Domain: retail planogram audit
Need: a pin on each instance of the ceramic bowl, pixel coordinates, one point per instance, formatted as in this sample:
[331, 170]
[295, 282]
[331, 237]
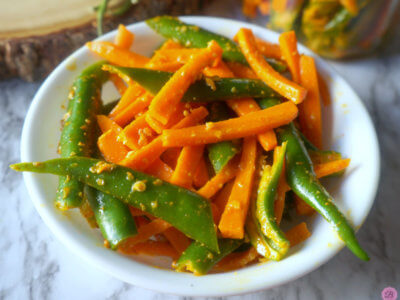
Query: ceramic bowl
[347, 128]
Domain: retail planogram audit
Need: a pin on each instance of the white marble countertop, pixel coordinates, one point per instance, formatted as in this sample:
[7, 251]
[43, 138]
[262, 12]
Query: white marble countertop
[35, 265]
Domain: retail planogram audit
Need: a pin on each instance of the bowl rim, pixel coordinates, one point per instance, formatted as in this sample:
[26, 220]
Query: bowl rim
[144, 275]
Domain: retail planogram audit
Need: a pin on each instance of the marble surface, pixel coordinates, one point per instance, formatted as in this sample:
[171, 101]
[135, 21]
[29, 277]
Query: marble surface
[35, 265]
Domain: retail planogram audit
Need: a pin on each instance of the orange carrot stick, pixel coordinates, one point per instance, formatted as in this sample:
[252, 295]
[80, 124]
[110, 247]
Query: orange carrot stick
[233, 218]
[137, 134]
[250, 124]
[298, 234]
[146, 231]
[237, 260]
[244, 106]
[136, 106]
[269, 49]
[186, 165]
[288, 45]
[302, 208]
[223, 195]
[152, 248]
[160, 169]
[132, 92]
[201, 175]
[324, 90]
[332, 167]
[177, 239]
[105, 124]
[164, 103]
[175, 117]
[170, 156]
[124, 37]
[310, 109]
[217, 182]
[118, 83]
[265, 72]
[111, 149]
[117, 55]
[241, 71]
[143, 157]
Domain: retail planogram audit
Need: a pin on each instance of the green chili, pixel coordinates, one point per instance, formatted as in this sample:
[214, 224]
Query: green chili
[78, 134]
[192, 36]
[201, 90]
[183, 209]
[199, 259]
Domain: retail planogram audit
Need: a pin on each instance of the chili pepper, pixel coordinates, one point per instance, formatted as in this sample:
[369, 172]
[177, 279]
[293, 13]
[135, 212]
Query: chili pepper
[113, 216]
[301, 178]
[264, 205]
[77, 136]
[183, 209]
[201, 90]
[199, 259]
[192, 36]
[221, 153]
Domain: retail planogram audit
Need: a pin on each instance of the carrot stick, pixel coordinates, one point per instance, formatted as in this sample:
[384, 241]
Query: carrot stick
[216, 212]
[217, 182]
[324, 90]
[105, 124]
[298, 234]
[118, 83]
[181, 56]
[136, 106]
[250, 124]
[269, 49]
[236, 260]
[201, 175]
[288, 45]
[112, 150]
[177, 239]
[249, 7]
[264, 7]
[175, 117]
[244, 106]
[332, 167]
[302, 208]
[152, 248]
[132, 92]
[160, 169]
[164, 103]
[223, 195]
[310, 109]
[124, 37]
[117, 55]
[170, 156]
[241, 71]
[143, 157]
[137, 134]
[233, 218]
[265, 72]
[186, 165]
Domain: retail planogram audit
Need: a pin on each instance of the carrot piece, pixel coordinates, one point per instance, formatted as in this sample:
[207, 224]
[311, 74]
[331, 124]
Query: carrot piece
[324, 90]
[201, 176]
[143, 157]
[264, 7]
[135, 107]
[288, 45]
[241, 71]
[152, 248]
[216, 213]
[105, 124]
[145, 232]
[186, 165]
[265, 72]
[351, 6]
[170, 44]
[180, 56]
[298, 234]
[233, 218]
[170, 156]
[164, 103]
[118, 83]
[124, 37]
[117, 55]
[269, 49]
[302, 208]
[223, 195]
[176, 116]
[249, 8]
[217, 182]
[329, 168]
[177, 239]
[137, 134]
[236, 260]
[133, 91]
[244, 106]
[160, 169]
[250, 124]
[113, 150]
[310, 109]
[135, 212]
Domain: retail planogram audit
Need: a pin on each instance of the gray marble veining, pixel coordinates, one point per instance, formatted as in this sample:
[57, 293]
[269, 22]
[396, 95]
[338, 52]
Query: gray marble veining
[34, 265]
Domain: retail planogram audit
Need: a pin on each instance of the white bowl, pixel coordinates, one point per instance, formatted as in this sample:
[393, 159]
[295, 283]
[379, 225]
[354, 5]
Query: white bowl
[347, 128]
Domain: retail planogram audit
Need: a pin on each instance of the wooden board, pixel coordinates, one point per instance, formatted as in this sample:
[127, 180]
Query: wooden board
[36, 35]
